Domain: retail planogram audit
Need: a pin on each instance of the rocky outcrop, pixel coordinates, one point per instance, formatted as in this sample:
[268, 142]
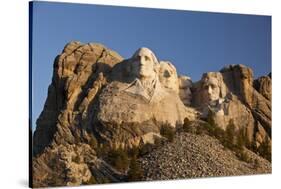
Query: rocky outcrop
[263, 86]
[63, 165]
[259, 106]
[97, 95]
[231, 94]
[80, 71]
[97, 99]
[129, 107]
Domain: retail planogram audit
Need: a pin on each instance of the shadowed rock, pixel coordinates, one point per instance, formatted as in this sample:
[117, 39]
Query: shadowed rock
[97, 98]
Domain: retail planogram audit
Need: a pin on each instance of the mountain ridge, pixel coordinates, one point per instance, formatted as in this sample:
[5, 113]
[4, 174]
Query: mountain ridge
[100, 102]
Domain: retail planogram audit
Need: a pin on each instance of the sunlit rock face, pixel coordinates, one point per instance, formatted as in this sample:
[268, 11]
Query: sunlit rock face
[144, 64]
[210, 88]
[232, 94]
[96, 97]
[168, 76]
[145, 91]
[185, 85]
[240, 82]
[144, 67]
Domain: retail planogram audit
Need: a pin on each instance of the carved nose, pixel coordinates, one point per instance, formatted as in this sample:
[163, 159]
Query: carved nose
[209, 90]
[141, 60]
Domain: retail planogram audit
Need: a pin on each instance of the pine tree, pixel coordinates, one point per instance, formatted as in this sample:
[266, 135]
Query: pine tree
[135, 172]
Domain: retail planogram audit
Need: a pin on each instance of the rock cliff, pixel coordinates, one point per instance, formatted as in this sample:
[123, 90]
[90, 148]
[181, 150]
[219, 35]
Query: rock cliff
[99, 100]
[232, 94]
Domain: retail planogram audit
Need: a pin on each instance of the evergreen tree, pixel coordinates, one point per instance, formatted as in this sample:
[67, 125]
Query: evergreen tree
[168, 132]
[186, 125]
[135, 172]
[230, 134]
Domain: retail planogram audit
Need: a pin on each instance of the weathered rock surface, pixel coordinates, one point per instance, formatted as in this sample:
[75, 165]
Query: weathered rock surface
[263, 86]
[63, 165]
[124, 104]
[98, 98]
[90, 98]
[244, 88]
[232, 95]
[193, 156]
[80, 71]
[71, 165]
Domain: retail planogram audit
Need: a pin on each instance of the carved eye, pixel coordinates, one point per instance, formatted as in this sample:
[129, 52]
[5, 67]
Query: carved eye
[146, 58]
[213, 86]
[167, 74]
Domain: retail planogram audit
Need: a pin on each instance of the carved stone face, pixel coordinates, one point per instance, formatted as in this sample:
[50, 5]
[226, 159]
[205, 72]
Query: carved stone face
[168, 76]
[211, 89]
[185, 85]
[143, 65]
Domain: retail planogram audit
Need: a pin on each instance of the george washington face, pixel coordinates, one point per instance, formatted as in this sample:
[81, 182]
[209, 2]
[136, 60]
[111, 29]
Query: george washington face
[144, 63]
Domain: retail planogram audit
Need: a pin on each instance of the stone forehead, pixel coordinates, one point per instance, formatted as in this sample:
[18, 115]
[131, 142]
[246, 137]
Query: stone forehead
[144, 51]
[213, 81]
[212, 76]
[166, 65]
[184, 81]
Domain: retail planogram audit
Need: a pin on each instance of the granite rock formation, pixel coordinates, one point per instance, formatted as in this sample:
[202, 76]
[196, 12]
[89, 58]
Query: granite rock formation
[143, 95]
[98, 99]
[231, 94]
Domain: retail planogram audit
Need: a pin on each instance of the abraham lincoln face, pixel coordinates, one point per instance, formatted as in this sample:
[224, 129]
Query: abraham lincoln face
[213, 86]
[211, 89]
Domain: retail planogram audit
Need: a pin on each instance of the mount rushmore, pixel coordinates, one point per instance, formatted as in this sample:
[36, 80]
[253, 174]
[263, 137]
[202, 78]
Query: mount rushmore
[98, 97]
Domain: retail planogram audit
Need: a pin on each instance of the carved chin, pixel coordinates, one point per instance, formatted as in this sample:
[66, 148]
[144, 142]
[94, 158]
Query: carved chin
[212, 98]
[143, 74]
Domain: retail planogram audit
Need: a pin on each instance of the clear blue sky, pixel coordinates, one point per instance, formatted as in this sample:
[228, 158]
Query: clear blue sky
[195, 42]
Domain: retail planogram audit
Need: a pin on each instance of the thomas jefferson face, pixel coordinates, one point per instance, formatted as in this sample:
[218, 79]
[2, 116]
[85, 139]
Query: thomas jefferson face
[211, 89]
[168, 76]
[143, 63]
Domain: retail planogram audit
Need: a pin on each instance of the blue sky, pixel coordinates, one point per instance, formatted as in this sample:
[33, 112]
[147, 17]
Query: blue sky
[195, 42]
